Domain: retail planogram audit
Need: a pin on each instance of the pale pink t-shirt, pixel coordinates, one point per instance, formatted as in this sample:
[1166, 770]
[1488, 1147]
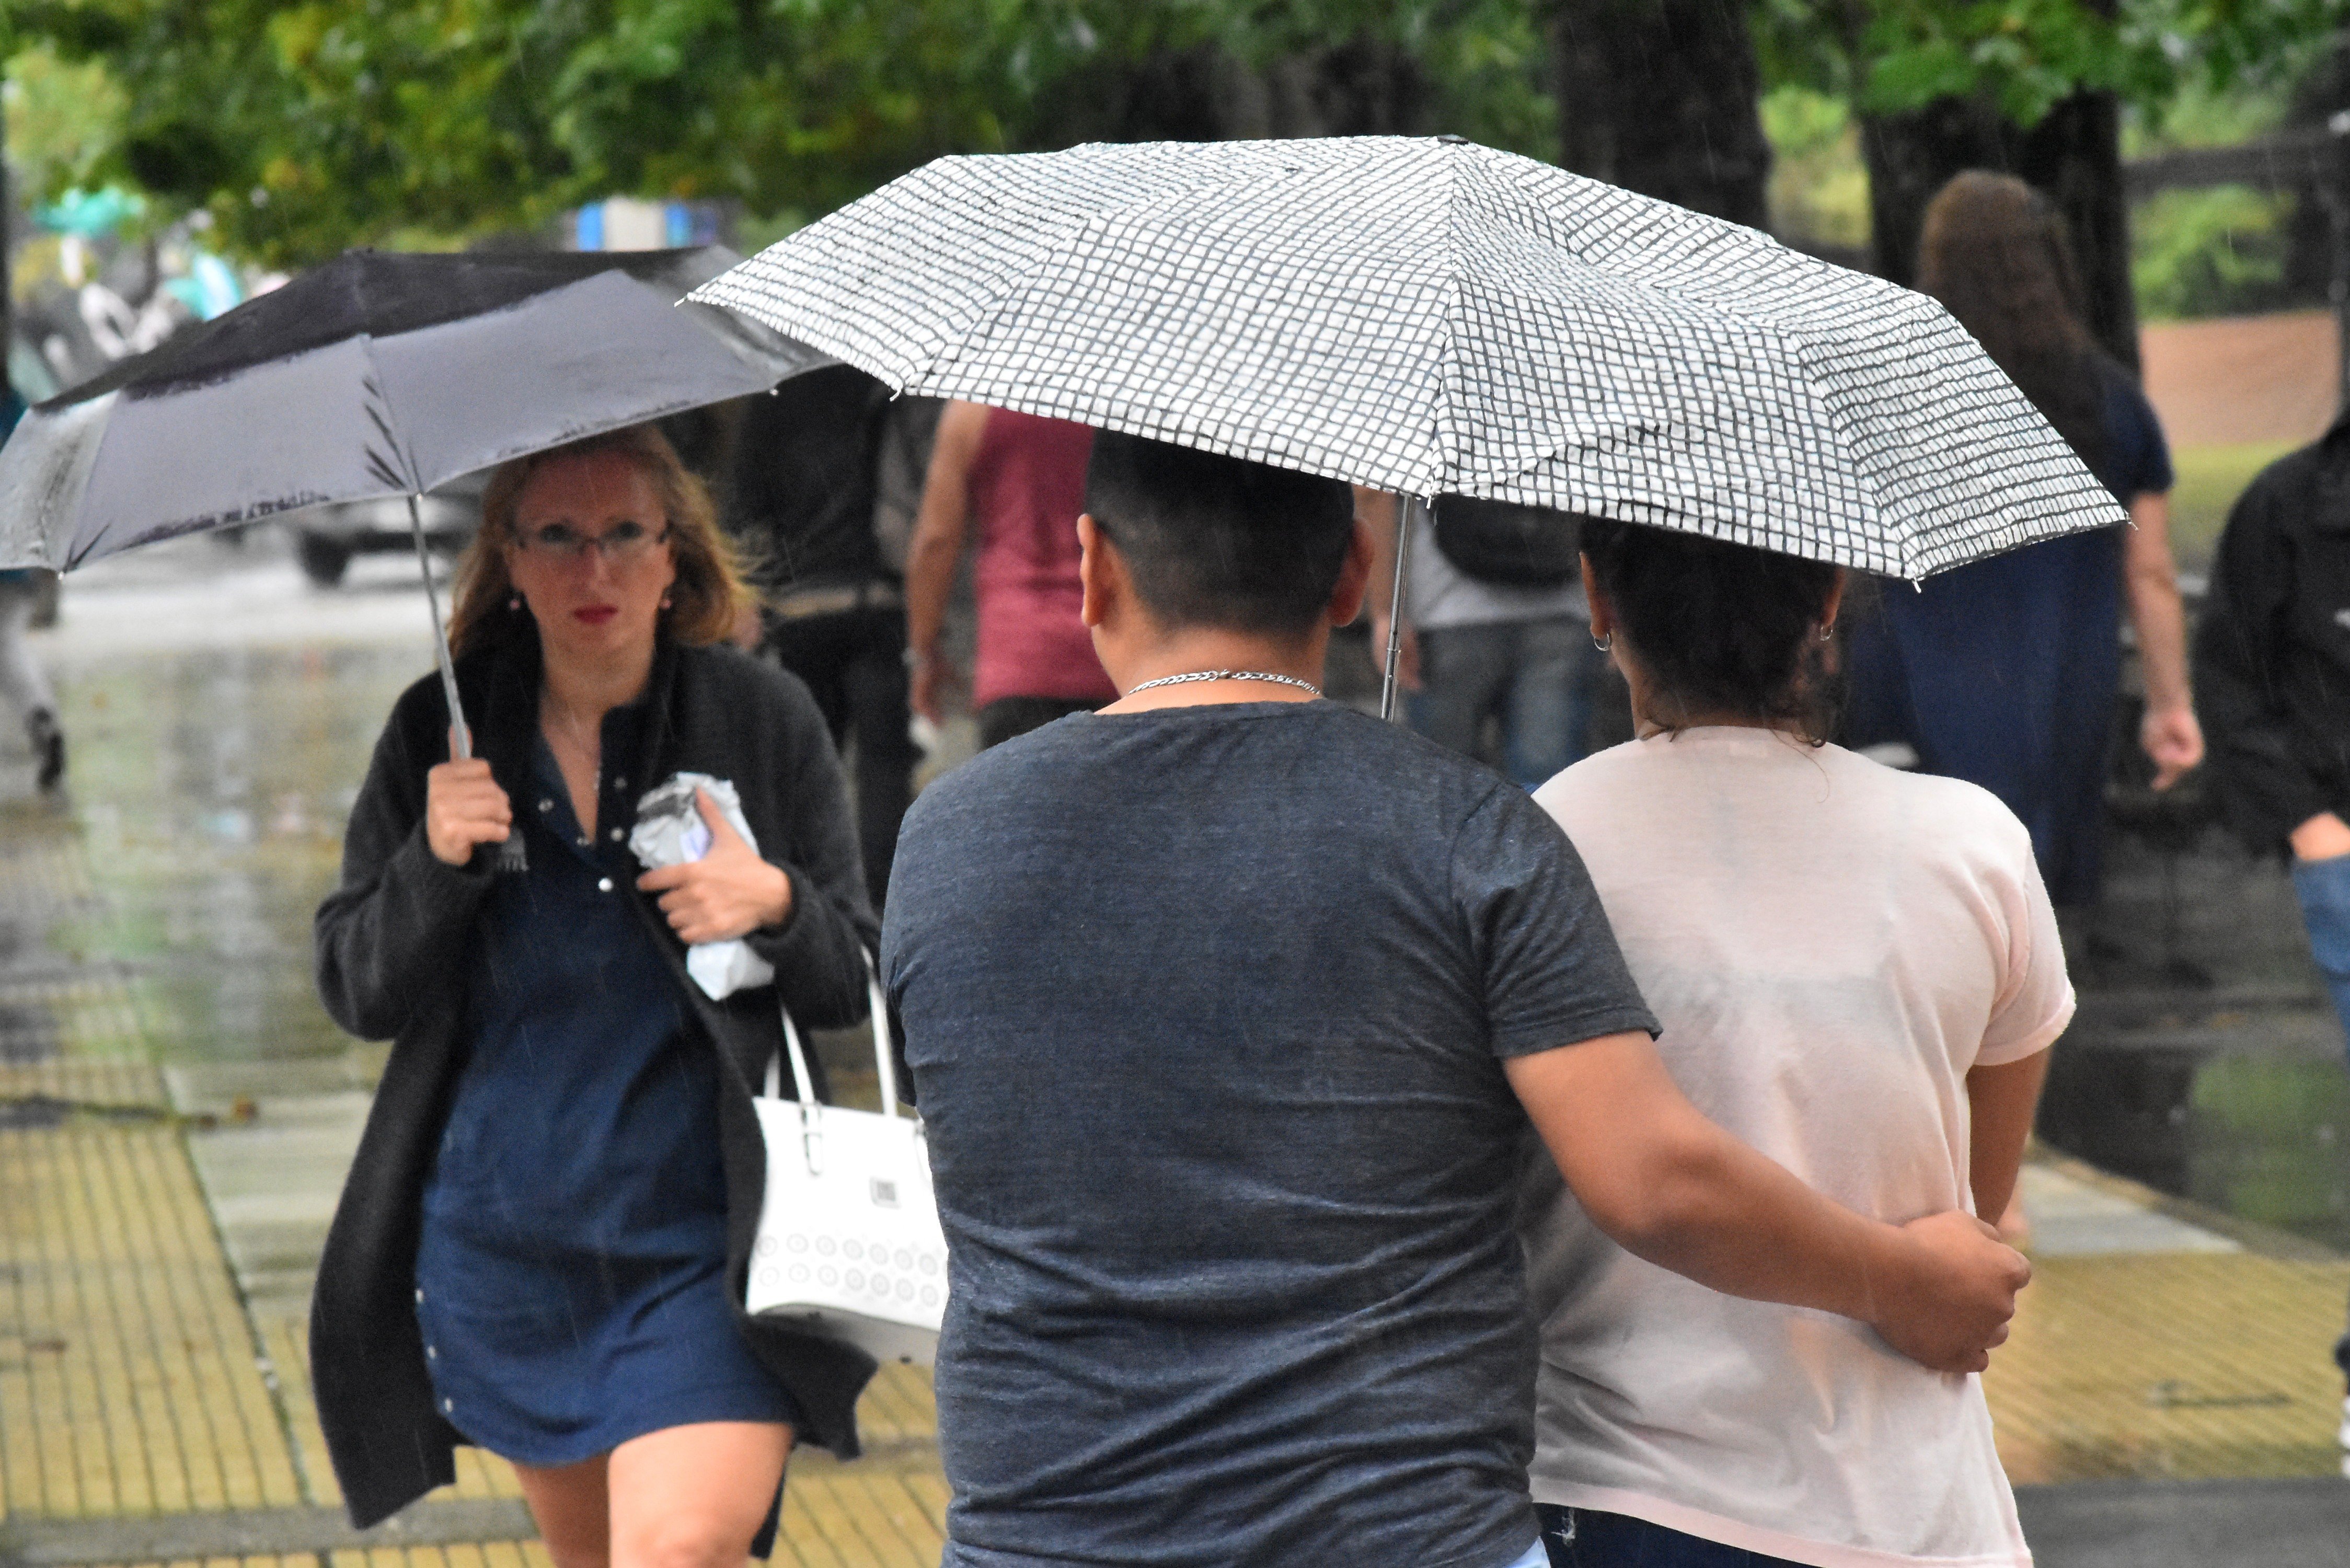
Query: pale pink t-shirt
[1830, 946]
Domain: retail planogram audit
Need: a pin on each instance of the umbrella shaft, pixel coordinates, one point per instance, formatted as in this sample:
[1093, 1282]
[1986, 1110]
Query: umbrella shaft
[461, 738]
[1405, 507]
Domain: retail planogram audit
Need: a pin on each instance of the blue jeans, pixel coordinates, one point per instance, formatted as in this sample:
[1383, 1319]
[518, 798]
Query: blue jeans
[2324, 888]
[1583, 1538]
[1536, 676]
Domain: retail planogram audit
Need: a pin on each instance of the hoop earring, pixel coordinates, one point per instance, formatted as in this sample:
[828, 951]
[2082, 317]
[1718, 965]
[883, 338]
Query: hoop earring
[1604, 644]
[1827, 631]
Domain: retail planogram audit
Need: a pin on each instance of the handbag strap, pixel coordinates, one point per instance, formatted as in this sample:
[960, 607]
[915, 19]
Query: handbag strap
[879, 1005]
[800, 1079]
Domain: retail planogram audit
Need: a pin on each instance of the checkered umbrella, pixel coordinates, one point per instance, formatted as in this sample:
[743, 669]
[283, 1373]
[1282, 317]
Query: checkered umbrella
[1429, 316]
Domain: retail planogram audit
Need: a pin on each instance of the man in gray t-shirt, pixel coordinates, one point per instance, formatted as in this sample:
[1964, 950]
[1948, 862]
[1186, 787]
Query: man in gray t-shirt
[1222, 1006]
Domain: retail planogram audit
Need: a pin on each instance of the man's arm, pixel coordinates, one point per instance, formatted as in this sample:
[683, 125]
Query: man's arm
[1378, 512]
[2150, 586]
[2002, 1099]
[1667, 1185]
[937, 546]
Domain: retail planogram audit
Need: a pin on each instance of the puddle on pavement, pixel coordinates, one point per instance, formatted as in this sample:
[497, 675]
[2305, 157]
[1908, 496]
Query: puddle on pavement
[212, 787]
[2228, 1088]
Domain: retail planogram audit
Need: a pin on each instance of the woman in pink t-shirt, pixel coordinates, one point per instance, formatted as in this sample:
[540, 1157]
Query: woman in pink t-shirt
[1859, 973]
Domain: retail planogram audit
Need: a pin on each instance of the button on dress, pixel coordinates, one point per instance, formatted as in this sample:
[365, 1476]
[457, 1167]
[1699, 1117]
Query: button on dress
[571, 1270]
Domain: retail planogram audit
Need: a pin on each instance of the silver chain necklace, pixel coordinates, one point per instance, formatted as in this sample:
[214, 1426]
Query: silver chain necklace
[1225, 675]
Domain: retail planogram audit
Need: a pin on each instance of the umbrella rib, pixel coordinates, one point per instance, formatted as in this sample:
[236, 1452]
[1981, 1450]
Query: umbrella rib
[379, 414]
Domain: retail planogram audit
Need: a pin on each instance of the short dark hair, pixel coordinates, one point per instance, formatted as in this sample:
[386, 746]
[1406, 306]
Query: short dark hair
[1719, 628]
[1218, 541]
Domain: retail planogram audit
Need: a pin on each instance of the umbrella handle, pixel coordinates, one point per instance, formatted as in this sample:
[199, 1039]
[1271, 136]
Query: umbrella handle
[462, 737]
[1405, 506]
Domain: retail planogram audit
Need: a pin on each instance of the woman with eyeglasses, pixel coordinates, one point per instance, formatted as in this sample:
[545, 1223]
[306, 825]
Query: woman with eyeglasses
[541, 1248]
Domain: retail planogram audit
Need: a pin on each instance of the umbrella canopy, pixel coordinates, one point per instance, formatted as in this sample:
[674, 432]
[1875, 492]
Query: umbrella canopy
[1431, 316]
[374, 375]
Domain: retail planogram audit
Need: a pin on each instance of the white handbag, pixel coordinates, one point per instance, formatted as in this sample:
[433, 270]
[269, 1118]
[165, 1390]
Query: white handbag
[850, 1246]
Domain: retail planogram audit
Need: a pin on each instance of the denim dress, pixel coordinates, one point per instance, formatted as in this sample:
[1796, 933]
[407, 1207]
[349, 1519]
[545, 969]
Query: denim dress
[570, 1276]
[2004, 671]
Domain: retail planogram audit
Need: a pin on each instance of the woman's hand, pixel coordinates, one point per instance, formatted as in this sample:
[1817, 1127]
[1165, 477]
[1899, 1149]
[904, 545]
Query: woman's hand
[2324, 837]
[727, 893]
[2173, 741]
[463, 806]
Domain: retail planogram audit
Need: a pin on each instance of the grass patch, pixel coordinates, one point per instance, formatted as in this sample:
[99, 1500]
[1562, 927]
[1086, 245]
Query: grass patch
[2209, 479]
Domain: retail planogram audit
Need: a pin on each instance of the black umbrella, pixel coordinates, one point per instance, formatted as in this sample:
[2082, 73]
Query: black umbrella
[374, 375]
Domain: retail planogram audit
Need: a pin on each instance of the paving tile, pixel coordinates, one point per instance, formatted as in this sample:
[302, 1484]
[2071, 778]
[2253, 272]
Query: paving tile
[2072, 1218]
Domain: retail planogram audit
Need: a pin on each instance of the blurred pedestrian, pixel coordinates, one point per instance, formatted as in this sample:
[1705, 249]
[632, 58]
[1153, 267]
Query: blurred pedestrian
[1021, 479]
[2004, 672]
[1492, 632]
[803, 497]
[1857, 972]
[540, 1247]
[22, 679]
[1227, 1007]
[2272, 664]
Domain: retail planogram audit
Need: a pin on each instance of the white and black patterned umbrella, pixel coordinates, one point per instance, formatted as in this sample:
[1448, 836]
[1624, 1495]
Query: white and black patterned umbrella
[1429, 316]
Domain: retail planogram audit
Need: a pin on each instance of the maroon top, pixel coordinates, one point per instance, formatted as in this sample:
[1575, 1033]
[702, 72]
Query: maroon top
[1027, 486]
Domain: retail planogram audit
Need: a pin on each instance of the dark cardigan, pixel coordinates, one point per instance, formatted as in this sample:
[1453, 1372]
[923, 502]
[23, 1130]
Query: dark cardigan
[391, 951]
[2272, 650]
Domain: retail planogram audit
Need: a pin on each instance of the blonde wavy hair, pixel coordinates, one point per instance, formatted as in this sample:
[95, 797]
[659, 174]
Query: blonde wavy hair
[704, 601]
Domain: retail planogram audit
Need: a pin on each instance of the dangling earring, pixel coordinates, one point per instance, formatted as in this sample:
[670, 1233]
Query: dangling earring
[1604, 644]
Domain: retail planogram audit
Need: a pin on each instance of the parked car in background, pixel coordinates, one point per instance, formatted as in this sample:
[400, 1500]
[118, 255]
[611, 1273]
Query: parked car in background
[326, 538]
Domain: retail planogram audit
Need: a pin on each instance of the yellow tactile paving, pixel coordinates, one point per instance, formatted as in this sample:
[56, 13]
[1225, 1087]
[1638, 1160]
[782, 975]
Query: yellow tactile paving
[133, 1386]
[2171, 1365]
[131, 1381]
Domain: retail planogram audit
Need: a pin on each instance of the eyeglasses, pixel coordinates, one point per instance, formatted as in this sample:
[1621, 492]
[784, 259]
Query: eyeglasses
[620, 544]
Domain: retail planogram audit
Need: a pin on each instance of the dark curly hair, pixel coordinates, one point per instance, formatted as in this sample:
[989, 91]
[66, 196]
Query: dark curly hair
[1719, 628]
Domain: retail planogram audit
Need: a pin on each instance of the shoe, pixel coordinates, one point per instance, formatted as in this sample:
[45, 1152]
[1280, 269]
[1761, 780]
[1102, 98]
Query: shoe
[48, 748]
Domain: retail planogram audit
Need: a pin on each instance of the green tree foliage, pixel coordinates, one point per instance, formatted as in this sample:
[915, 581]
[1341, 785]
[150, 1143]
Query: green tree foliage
[305, 126]
[308, 124]
[2220, 252]
[62, 119]
[2027, 56]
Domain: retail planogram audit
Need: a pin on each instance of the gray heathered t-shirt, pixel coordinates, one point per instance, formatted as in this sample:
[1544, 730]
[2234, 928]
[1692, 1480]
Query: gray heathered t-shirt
[1206, 1008]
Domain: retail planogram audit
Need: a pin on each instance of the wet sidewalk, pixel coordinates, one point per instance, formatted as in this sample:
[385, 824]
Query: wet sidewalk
[158, 1233]
[176, 1116]
[158, 1228]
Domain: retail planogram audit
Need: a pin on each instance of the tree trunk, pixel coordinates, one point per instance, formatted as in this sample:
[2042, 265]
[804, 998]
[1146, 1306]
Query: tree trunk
[2075, 156]
[1363, 86]
[1910, 157]
[1658, 97]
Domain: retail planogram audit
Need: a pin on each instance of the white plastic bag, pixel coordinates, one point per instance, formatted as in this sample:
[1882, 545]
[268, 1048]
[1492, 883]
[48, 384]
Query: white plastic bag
[670, 831]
